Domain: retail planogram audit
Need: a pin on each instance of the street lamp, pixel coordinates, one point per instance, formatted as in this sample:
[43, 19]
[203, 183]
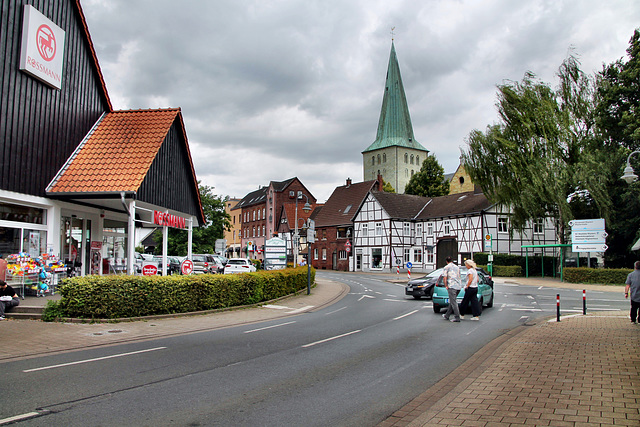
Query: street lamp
[629, 176]
[306, 208]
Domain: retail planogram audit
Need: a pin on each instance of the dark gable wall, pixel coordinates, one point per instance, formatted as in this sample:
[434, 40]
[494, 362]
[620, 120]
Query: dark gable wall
[169, 180]
[40, 126]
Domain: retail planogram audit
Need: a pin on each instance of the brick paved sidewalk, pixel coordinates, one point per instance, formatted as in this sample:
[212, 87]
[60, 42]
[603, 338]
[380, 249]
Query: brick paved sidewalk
[583, 370]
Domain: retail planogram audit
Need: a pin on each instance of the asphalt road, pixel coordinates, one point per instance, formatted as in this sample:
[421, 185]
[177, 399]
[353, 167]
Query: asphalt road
[352, 363]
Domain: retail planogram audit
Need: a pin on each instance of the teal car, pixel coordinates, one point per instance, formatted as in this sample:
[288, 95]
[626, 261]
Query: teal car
[485, 290]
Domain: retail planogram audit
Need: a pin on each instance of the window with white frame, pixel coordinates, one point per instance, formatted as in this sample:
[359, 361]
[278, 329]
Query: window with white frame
[406, 229]
[407, 255]
[447, 228]
[365, 230]
[254, 215]
[419, 230]
[378, 229]
[342, 254]
[538, 226]
[315, 253]
[254, 232]
[503, 225]
[429, 229]
[417, 255]
[429, 253]
[324, 254]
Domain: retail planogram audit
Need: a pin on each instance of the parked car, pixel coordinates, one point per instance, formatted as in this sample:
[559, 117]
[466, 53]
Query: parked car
[239, 265]
[423, 286]
[485, 290]
[218, 266]
[200, 264]
[174, 265]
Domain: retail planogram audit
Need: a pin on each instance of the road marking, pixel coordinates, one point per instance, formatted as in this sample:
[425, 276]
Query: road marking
[268, 327]
[395, 300]
[293, 310]
[19, 418]
[93, 360]
[365, 296]
[335, 311]
[405, 315]
[276, 307]
[331, 339]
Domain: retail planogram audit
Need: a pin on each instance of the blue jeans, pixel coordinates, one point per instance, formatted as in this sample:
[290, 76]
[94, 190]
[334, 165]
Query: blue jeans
[453, 304]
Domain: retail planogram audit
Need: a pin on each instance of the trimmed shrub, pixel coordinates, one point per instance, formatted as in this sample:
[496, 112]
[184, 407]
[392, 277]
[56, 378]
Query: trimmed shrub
[110, 297]
[535, 262]
[504, 270]
[605, 276]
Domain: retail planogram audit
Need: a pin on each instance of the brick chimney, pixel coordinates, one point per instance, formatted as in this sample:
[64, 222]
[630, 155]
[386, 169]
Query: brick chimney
[348, 182]
[380, 183]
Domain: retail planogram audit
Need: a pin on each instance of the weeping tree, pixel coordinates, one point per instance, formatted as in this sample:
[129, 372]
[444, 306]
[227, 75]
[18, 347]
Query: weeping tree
[542, 158]
[429, 181]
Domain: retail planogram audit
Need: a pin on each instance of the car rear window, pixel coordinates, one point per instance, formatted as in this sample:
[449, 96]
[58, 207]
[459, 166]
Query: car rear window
[236, 262]
[198, 258]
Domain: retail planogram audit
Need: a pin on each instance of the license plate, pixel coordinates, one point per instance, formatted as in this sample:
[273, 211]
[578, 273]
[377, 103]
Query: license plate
[446, 300]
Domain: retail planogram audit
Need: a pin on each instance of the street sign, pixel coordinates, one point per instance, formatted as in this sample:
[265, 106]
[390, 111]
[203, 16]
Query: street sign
[149, 270]
[488, 242]
[347, 246]
[409, 265]
[588, 235]
[186, 267]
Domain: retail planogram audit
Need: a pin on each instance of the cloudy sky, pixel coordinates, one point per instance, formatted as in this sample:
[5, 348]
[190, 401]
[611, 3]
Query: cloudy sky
[271, 89]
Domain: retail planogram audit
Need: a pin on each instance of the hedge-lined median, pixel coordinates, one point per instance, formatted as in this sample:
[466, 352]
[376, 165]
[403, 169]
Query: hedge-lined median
[112, 297]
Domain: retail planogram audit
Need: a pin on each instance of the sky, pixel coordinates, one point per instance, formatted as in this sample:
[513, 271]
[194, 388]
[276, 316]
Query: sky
[275, 89]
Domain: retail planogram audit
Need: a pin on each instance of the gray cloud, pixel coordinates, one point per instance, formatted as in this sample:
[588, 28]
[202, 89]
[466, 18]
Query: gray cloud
[275, 89]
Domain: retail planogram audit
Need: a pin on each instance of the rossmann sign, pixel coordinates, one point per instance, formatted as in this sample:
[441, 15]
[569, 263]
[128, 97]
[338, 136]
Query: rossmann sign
[168, 220]
[42, 53]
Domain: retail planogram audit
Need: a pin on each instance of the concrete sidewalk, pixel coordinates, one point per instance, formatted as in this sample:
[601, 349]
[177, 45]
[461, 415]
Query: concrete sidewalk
[583, 370]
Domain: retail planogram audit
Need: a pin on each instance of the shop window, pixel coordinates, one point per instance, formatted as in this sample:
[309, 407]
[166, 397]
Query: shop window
[11, 212]
[376, 258]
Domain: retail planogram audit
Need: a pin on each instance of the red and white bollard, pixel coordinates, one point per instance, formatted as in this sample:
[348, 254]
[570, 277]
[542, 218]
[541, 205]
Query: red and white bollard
[398, 270]
[557, 307]
[584, 302]
[409, 273]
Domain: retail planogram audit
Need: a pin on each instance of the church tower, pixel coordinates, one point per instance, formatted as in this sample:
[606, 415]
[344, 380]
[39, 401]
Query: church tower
[395, 154]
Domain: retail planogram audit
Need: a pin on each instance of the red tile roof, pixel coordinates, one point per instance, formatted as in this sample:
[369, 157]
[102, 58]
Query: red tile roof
[117, 153]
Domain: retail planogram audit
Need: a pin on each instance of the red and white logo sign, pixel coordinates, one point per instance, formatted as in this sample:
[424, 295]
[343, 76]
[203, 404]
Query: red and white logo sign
[168, 220]
[149, 270]
[46, 41]
[42, 49]
[186, 267]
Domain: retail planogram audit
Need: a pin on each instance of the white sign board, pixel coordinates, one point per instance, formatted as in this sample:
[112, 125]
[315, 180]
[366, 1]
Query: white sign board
[42, 50]
[588, 235]
[275, 254]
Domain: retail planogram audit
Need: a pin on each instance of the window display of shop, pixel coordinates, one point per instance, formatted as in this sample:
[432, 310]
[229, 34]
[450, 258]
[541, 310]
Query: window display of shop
[36, 276]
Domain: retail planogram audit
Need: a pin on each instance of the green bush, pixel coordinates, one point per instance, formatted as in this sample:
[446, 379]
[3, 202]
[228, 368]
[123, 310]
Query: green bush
[605, 276]
[504, 270]
[535, 262]
[52, 312]
[110, 297]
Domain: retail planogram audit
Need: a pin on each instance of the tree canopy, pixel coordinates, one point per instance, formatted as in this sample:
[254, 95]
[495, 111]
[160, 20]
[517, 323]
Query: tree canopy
[204, 238]
[543, 152]
[429, 181]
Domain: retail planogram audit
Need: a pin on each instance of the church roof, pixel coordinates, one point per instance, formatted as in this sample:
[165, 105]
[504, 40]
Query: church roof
[394, 126]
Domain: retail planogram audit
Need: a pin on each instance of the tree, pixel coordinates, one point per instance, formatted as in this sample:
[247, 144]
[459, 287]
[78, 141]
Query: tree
[429, 181]
[618, 118]
[387, 187]
[204, 238]
[543, 152]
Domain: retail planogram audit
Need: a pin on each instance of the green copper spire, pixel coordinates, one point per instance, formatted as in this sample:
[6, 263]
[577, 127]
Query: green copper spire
[394, 126]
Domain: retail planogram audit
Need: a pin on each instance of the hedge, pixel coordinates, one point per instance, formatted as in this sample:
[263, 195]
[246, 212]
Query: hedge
[534, 261]
[504, 270]
[111, 297]
[605, 276]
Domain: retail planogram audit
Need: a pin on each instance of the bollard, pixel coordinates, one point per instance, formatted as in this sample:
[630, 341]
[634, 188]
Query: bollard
[398, 270]
[409, 273]
[558, 307]
[584, 302]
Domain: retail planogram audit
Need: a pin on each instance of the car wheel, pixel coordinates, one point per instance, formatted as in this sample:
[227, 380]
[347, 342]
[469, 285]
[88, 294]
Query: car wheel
[416, 296]
[436, 308]
[490, 303]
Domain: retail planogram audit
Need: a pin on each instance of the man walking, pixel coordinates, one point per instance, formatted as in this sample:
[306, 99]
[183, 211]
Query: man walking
[453, 285]
[633, 285]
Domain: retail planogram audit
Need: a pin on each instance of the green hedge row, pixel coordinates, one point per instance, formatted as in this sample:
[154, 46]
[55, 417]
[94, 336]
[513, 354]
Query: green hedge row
[535, 262]
[504, 270]
[605, 276]
[111, 297]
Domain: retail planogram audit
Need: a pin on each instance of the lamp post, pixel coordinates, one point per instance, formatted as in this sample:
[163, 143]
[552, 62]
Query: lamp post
[629, 176]
[306, 208]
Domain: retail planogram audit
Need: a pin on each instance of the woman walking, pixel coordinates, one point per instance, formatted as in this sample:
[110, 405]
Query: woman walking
[471, 291]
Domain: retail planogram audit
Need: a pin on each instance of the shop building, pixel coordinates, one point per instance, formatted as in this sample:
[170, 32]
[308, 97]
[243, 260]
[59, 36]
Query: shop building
[78, 177]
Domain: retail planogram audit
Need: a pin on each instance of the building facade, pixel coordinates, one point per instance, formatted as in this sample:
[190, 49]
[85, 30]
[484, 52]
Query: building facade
[77, 176]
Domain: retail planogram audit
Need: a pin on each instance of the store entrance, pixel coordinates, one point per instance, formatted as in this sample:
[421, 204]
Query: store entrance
[76, 238]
